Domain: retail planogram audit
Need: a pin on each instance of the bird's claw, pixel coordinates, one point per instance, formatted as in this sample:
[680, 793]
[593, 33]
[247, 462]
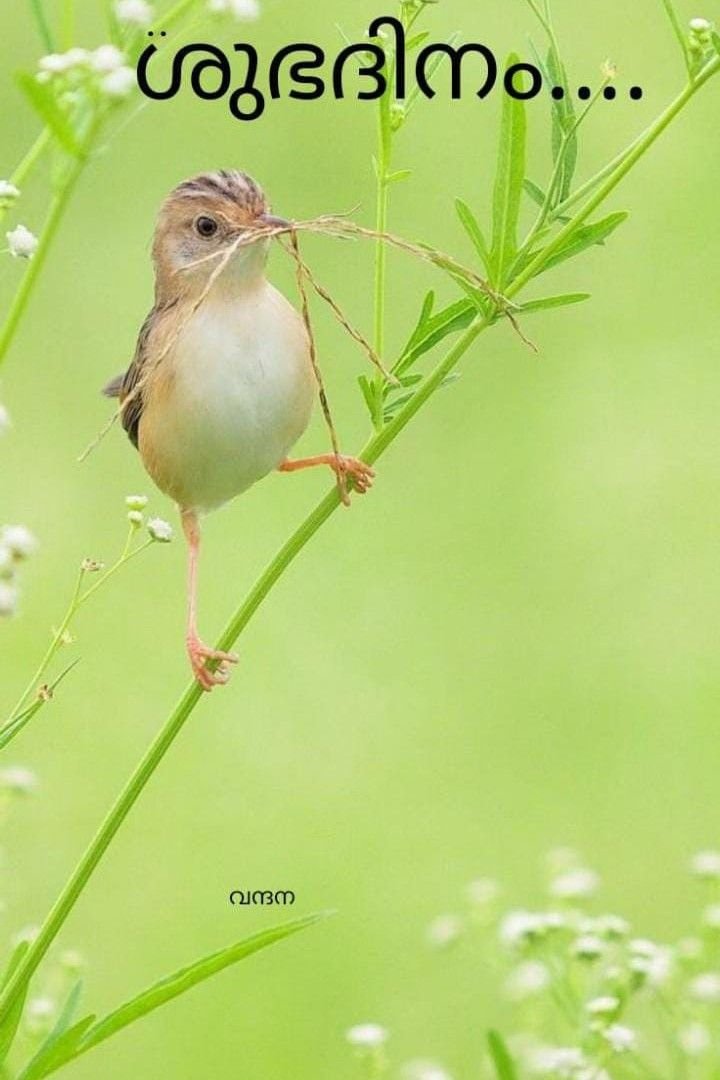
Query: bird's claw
[199, 655]
[361, 474]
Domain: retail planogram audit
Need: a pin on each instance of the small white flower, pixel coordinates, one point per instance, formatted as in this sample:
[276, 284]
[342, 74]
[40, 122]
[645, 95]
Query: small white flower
[4, 419]
[9, 597]
[26, 934]
[19, 540]
[694, 1039]
[245, 10]
[700, 26]
[519, 927]
[135, 518]
[367, 1036]
[711, 916]
[8, 190]
[18, 780]
[527, 980]
[136, 502]
[622, 1039]
[59, 63]
[483, 891]
[106, 58]
[606, 1005]
[40, 1012]
[22, 244]
[72, 960]
[706, 864]
[160, 530]
[576, 884]
[587, 947]
[444, 931]
[118, 83]
[424, 1070]
[565, 1061]
[652, 962]
[134, 12]
[706, 987]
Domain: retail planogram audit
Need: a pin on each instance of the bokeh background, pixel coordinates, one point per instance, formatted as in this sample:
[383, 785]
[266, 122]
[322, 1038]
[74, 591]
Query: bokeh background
[511, 644]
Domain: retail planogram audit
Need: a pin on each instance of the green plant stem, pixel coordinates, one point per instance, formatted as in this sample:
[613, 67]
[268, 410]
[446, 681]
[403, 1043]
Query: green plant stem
[628, 160]
[58, 206]
[680, 34]
[373, 450]
[382, 166]
[26, 165]
[42, 25]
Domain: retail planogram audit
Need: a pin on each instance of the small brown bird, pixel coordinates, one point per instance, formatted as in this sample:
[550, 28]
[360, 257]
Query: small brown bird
[221, 385]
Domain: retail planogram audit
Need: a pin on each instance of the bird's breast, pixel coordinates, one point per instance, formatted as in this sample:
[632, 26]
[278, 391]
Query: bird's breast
[229, 400]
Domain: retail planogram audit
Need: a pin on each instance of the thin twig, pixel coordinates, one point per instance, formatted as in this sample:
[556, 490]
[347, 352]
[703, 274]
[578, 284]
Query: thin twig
[300, 274]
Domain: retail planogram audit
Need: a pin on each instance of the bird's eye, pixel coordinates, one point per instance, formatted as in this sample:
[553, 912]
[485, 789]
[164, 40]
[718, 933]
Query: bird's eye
[206, 227]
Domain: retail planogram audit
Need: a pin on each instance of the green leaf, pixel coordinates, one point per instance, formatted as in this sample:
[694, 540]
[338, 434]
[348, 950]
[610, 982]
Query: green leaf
[425, 314]
[563, 124]
[472, 228]
[451, 319]
[9, 1026]
[62, 1042]
[508, 184]
[584, 237]
[185, 979]
[368, 393]
[553, 302]
[504, 1065]
[401, 174]
[42, 99]
[535, 192]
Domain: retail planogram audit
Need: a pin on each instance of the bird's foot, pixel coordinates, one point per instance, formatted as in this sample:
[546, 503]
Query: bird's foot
[362, 475]
[200, 655]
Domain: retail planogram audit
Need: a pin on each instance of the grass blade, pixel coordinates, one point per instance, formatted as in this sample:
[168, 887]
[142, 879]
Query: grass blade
[472, 227]
[549, 302]
[584, 237]
[455, 317]
[678, 30]
[508, 184]
[42, 99]
[185, 979]
[42, 25]
[504, 1065]
[61, 1044]
[535, 192]
[9, 1026]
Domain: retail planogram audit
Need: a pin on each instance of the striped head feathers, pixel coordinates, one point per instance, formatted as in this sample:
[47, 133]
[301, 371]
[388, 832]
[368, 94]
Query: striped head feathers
[202, 217]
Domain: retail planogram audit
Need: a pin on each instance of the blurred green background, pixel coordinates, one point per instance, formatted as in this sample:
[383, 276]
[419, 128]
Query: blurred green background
[510, 645]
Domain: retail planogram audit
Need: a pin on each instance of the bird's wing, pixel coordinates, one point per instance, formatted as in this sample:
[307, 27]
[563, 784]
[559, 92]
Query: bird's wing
[128, 387]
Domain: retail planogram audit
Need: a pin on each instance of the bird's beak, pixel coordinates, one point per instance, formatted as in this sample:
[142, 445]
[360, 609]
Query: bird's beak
[273, 222]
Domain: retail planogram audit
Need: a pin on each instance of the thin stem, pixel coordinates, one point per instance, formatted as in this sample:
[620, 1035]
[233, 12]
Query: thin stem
[679, 33]
[382, 165]
[52, 649]
[26, 165]
[373, 450]
[58, 206]
[640, 147]
[43, 25]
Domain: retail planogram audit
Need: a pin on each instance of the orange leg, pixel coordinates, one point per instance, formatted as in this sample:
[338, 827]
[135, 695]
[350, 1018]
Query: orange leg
[361, 474]
[198, 652]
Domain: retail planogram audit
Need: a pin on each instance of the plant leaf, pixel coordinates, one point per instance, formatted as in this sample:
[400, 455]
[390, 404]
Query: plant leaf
[552, 302]
[472, 227]
[185, 979]
[504, 1066]
[451, 319]
[42, 99]
[535, 192]
[584, 237]
[508, 184]
[62, 1042]
[563, 124]
[9, 1026]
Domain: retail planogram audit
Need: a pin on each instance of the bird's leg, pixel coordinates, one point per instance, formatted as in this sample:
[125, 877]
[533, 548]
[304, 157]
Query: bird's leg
[198, 652]
[361, 474]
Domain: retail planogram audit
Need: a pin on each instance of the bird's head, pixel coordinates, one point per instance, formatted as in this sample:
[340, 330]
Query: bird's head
[200, 219]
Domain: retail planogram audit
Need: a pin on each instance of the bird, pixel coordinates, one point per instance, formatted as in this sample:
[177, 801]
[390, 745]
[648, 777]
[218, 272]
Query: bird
[221, 385]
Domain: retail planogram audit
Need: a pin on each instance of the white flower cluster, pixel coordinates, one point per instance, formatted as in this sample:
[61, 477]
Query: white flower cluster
[243, 10]
[16, 545]
[105, 67]
[160, 531]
